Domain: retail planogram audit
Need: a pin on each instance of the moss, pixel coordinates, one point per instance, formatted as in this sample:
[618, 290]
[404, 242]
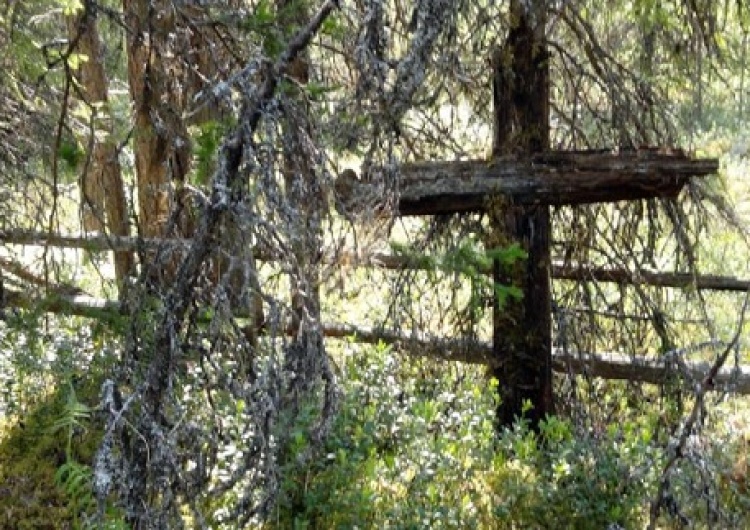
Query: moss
[31, 451]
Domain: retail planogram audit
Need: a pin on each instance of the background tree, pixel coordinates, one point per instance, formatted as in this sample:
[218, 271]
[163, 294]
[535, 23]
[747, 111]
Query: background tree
[102, 188]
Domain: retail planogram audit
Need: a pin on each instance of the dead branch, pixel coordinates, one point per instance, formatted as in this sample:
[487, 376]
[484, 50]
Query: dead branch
[559, 271]
[90, 242]
[613, 366]
[681, 280]
[20, 271]
[79, 305]
[706, 381]
[418, 346]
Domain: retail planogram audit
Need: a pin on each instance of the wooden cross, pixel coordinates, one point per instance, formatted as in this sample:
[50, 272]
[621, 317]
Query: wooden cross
[528, 178]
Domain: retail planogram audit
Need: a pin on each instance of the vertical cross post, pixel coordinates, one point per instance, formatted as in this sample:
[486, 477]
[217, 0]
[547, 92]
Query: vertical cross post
[522, 343]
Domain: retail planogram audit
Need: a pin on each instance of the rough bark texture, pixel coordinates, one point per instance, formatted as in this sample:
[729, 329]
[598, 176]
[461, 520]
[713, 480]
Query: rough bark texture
[104, 207]
[521, 99]
[554, 178]
[160, 142]
[144, 464]
[301, 183]
[304, 193]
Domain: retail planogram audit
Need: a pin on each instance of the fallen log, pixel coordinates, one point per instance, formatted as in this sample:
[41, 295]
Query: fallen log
[582, 273]
[465, 351]
[17, 269]
[613, 366]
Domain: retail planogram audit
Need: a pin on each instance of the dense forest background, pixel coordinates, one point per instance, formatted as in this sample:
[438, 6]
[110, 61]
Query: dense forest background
[213, 315]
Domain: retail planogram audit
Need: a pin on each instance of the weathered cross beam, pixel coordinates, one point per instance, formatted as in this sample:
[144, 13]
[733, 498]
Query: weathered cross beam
[550, 178]
[528, 178]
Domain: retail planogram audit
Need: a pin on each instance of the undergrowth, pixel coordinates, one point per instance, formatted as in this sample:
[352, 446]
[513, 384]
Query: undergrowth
[414, 446]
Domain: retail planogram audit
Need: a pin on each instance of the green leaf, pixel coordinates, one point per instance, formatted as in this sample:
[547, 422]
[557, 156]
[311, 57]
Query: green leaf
[333, 28]
[206, 142]
[508, 255]
[71, 7]
[70, 154]
[75, 60]
[504, 292]
[316, 90]
[262, 18]
[272, 45]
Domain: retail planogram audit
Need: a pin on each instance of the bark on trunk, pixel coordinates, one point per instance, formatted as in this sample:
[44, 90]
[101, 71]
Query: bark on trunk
[521, 97]
[299, 180]
[104, 207]
[160, 142]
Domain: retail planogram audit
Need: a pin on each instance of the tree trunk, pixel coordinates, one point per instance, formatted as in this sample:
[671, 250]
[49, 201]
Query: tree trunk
[161, 142]
[104, 207]
[521, 98]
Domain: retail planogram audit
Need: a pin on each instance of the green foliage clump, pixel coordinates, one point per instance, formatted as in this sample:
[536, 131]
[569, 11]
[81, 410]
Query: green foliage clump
[205, 149]
[473, 263]
[400, 447]
[422, 452]
[565, 480]
[71, 154]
